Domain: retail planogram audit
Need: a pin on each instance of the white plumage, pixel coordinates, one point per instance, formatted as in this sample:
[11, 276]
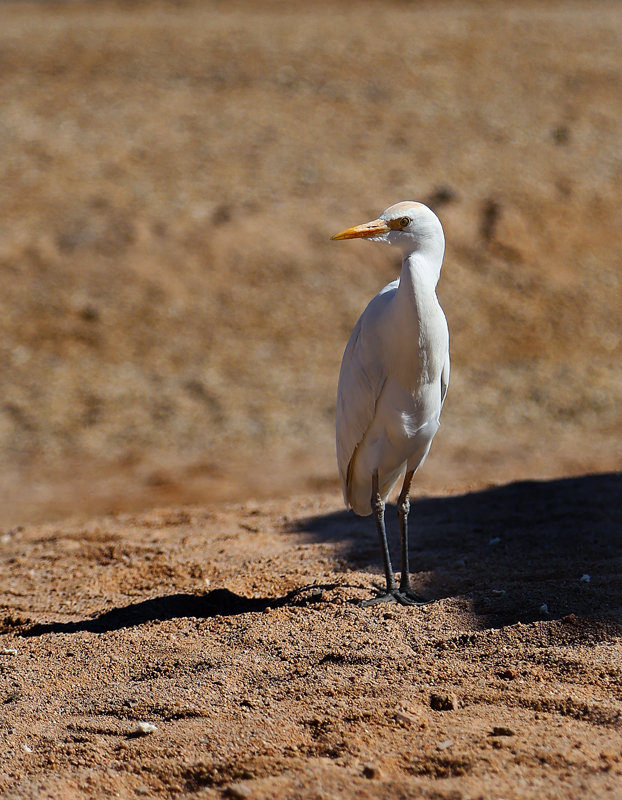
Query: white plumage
[394, 377]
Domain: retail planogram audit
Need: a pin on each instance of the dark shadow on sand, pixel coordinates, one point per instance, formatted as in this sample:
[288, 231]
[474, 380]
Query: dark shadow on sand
[220, 602]
[511, 550]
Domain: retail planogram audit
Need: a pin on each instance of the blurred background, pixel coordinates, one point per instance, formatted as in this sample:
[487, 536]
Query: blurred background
[172, 311]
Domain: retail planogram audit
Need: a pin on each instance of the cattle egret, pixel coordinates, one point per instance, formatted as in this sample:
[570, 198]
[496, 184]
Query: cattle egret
[393, 380]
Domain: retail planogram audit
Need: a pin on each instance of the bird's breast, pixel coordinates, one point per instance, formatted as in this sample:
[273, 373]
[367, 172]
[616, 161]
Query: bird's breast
[408, 415]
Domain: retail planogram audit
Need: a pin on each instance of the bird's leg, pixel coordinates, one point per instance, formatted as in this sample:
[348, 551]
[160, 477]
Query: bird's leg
[403, 508]
[377, 504]
[392, 594]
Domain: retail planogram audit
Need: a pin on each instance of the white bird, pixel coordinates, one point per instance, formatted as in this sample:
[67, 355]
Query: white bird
[393, 380]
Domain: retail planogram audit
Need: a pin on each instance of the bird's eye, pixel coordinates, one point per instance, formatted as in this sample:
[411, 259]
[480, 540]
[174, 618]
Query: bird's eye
[405, 222]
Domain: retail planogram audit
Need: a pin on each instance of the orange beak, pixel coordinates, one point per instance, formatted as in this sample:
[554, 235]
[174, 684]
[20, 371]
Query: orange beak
[364, 231]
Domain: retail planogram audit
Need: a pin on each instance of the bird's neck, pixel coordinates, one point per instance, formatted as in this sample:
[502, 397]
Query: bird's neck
[417, 321]
[418, 279]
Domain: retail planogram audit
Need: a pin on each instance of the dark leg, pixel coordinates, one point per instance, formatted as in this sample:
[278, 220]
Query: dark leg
[403, 507]
[377, 504]
[392, 594]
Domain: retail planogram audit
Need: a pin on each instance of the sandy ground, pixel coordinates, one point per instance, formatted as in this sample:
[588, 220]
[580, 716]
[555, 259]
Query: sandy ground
[172, 317]
[235, 632]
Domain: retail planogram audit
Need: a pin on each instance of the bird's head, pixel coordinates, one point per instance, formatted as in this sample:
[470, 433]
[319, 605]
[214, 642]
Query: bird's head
[409, 225]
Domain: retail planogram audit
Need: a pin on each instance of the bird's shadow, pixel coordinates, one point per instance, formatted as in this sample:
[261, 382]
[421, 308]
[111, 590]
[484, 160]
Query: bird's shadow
[524, 551]
[219, 602]
[519, 552]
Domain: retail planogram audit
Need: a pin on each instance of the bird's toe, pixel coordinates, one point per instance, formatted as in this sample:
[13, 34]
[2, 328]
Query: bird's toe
[403, 598]
[414, 598]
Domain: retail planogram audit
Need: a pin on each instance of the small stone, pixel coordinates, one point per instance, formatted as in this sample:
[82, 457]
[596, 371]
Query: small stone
[404, 719]
[26, 748]
[495, 540]
[585, 578]
[444, 745]
[507, 674]
[239, 791]
[8, 651]
[501, 730]
[544, 608]
[145, 728]
[443, 702]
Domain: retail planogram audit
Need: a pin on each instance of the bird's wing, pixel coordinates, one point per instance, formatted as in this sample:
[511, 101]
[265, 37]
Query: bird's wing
[445, 379]
[361, 380]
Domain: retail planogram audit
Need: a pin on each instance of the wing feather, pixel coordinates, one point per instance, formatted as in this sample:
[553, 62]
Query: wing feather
[361, 380]
[445, 379]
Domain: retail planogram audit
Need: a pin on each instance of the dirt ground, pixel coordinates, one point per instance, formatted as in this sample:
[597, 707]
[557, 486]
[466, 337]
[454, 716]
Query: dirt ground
[235, 632]
[179, 583]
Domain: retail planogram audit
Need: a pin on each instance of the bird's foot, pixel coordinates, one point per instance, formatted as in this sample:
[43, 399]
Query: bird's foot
[402, 597]
[412, 595]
